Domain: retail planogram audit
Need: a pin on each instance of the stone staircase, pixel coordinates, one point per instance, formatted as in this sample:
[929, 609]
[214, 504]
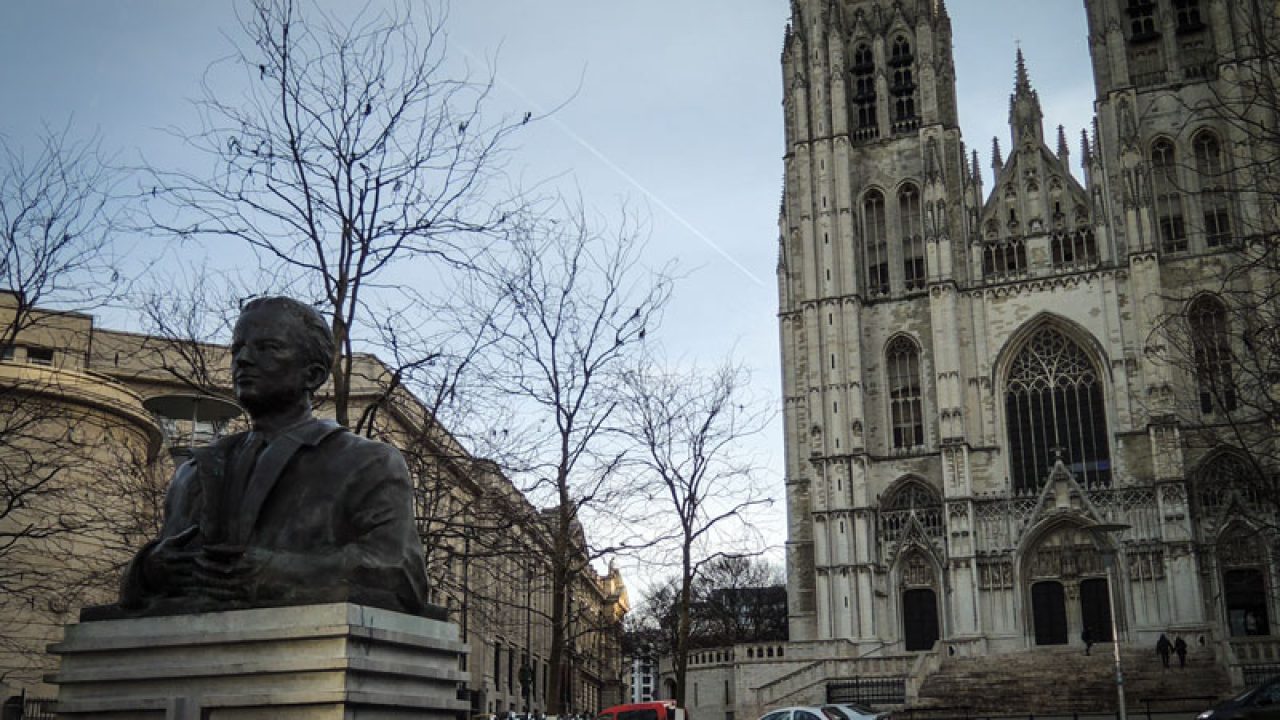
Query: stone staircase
[1063, 680]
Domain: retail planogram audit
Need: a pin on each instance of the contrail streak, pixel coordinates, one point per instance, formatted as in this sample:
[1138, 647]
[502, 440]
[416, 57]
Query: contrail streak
[653, 197]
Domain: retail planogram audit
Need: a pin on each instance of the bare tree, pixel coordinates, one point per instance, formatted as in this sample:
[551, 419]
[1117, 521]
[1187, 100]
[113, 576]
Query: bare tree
[692, 429]
[57, 262]
[1219, 331]
[575, 305]
[735, 599]
[348, 161]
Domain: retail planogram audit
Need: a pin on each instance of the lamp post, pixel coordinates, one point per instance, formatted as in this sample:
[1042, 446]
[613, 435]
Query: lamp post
[1102, 536]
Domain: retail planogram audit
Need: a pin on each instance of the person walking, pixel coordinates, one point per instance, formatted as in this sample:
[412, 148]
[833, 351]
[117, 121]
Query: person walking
[1163, 646]
[1086, 637]
[1180, 647]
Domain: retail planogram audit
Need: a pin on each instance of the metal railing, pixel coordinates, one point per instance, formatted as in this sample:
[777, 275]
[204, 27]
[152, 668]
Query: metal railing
[868, 691]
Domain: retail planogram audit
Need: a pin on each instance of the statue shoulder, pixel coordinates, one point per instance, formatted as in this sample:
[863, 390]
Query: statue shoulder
[366, 451]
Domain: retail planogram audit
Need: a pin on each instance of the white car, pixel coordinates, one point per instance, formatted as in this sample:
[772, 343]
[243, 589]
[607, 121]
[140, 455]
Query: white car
[852, 712]
[799, 713]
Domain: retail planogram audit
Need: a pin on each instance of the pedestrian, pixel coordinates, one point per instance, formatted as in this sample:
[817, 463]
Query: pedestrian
[1180, 647]
[1086, 637]
[1163, 646]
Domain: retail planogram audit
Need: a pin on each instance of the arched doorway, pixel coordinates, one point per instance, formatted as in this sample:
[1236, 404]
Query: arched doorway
[919, 619]
[1066, 587]
[920, 627]
[1244, 583]
[1049, 609]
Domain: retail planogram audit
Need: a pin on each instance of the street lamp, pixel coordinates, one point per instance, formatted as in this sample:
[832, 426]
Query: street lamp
[1102, 536]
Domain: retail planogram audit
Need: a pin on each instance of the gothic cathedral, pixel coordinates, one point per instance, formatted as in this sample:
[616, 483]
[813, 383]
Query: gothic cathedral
[983, 424]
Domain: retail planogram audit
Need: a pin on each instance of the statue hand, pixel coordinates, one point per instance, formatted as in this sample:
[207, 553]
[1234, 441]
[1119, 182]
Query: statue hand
[170, 565]
[230, 572]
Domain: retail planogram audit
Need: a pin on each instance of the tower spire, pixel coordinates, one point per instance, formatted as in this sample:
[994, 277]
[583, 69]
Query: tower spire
[997, 162]
[1026, 121]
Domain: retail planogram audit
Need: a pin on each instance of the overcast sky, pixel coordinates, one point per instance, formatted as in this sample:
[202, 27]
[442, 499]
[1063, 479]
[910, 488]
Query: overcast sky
[673, 107]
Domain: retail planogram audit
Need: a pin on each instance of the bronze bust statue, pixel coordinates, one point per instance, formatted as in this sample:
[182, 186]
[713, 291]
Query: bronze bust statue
[295, 511]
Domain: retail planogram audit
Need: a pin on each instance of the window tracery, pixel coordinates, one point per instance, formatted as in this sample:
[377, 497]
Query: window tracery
[1054, 409]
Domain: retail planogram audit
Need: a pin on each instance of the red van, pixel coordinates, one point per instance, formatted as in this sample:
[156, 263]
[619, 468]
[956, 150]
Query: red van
[656, 710]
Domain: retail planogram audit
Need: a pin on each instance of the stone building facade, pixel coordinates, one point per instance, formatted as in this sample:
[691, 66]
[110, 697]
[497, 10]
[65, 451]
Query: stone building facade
[114, 394]
[973, 378]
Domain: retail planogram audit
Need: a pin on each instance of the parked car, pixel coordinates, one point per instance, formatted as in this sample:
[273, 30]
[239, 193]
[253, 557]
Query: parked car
[853, 711]
[657, 710]
[1260, 702]
[810, 712]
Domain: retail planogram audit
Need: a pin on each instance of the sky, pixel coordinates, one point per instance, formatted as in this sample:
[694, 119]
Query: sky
[670, 107]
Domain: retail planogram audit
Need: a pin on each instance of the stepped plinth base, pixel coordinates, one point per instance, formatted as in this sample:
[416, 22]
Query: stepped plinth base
[337, 661]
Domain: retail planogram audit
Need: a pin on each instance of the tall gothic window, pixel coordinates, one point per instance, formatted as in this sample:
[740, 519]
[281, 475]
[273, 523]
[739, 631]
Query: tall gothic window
[902, 86]
[864, 92]
[1210, 341]
[1213, 196]
[1054, 408]
[906, 414]
[909, 221]
[877, 238]
[1168, 198]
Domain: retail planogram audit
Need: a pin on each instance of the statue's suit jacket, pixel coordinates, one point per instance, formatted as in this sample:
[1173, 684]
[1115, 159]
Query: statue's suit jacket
[334, 509]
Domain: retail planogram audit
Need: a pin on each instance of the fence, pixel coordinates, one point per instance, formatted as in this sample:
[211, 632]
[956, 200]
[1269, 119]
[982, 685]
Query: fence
[868, 691]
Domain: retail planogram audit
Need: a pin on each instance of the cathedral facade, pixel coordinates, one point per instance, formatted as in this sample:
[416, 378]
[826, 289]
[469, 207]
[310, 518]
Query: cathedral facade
[988, 444]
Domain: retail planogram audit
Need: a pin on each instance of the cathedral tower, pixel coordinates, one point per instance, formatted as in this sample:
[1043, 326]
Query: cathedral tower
[968, 375]
[868, 268]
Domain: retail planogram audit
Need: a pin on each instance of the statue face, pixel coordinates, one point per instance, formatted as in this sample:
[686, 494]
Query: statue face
[268, 367]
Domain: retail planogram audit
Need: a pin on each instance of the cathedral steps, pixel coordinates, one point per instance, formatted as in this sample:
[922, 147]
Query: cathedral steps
[1065, 680]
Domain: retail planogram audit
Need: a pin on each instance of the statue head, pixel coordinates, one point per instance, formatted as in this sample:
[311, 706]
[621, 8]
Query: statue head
[281, 350]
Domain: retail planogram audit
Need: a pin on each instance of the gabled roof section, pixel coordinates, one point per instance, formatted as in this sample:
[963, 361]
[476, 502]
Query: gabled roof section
[1033, 191]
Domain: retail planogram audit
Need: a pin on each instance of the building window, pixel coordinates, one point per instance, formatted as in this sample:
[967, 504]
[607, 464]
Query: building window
[1142, 20]
[1003, 258]
[1211, 345]
[40, 355]
[864, 93]
[1211, 178]
[1168, 199]
[903, 87]
[1054, 409]
[1074, 249]
[1186, 14]
[913, 501]
[6, 352]
[877, 243]
[909, 223]
[905, 405]
[1223, 479]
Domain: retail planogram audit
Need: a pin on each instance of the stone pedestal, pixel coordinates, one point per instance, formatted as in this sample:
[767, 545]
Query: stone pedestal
[336, 661]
